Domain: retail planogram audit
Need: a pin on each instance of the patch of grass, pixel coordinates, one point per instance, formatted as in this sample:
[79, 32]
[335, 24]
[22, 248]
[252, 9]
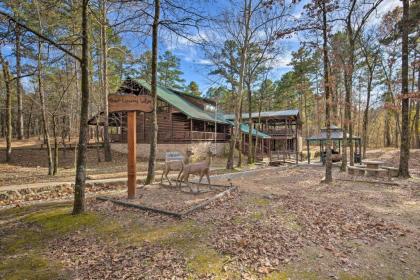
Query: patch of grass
[261, 202]
[20, 212]
[29, 266]
[348, 276]
[22, 239]
[40, 226]
[204, 261]
[289, 220]
[61, 221]
[257, 216]
[277, 276]
[179, 234]
[187, 237]
[285, 275]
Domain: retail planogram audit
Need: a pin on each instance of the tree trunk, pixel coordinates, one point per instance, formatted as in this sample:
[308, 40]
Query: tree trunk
[259, 128]
[347, 116]
[366, 112]
[105, 88]
[154, 127]
[18, 85]
[43, 110]
[405, 128]
[98, 153]
[63, 137]
[328, 162]
[243, 61]
[250, 124]
[79, 186]
[417, 117]
[54, 119]
[416, 125]
[387, 130]
[241, 136]
[6, 77]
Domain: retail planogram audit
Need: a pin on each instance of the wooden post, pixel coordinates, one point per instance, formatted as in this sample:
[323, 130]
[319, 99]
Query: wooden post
[191, 130]
[132, 158]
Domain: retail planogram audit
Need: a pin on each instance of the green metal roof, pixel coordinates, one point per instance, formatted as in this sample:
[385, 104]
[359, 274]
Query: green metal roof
[245, 129]
[183, 105]
[173, 97]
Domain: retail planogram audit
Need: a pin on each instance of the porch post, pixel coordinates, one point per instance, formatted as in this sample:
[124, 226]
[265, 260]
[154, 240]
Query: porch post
[191, 129]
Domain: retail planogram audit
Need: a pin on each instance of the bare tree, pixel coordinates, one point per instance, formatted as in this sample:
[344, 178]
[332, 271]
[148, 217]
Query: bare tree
[328, 161]
[104, 76]
[80, 178]
[154, 127]
[405, 125]
[6, 78]
[356, 16]
[19, 91]
[371, 60]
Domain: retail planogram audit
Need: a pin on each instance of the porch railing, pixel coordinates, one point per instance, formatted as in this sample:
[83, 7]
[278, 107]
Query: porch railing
[199, 135]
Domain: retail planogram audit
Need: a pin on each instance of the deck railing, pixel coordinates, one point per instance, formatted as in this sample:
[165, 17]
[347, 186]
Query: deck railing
[280, 132]
[199, 135]
[179, 136]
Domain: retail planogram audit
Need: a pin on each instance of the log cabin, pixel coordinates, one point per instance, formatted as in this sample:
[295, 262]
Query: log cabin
[185, 122]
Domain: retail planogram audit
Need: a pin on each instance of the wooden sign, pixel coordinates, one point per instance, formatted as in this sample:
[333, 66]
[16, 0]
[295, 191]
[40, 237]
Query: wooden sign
[131, 103]
[120, 103]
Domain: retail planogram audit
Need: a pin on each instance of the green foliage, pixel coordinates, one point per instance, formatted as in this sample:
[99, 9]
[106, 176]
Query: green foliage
[223, 96]
[193, 89]
[145, 66]
[169, 72]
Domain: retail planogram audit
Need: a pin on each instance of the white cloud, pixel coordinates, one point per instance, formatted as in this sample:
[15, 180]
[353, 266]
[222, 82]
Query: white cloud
[282, 61]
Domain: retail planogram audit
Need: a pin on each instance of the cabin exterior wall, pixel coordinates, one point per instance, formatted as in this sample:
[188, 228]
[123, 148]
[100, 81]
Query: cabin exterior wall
[173, 127]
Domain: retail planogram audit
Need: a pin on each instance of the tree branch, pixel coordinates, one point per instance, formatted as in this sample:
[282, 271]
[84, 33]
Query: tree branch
[41, 36]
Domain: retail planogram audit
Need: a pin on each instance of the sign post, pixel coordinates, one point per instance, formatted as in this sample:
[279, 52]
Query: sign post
[131, 104]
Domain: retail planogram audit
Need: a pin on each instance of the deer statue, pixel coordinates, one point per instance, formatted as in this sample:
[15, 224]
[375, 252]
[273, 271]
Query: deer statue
[175, 162]
[198, 168]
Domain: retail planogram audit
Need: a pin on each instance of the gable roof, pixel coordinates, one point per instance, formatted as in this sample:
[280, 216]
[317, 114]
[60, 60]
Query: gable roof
[173, 97]
[282, 113]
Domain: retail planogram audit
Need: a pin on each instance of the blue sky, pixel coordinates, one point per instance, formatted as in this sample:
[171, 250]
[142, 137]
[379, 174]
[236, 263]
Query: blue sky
[196, 67]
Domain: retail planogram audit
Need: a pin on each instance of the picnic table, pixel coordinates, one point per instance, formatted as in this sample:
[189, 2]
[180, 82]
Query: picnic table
[373, 164]
[373, 167]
